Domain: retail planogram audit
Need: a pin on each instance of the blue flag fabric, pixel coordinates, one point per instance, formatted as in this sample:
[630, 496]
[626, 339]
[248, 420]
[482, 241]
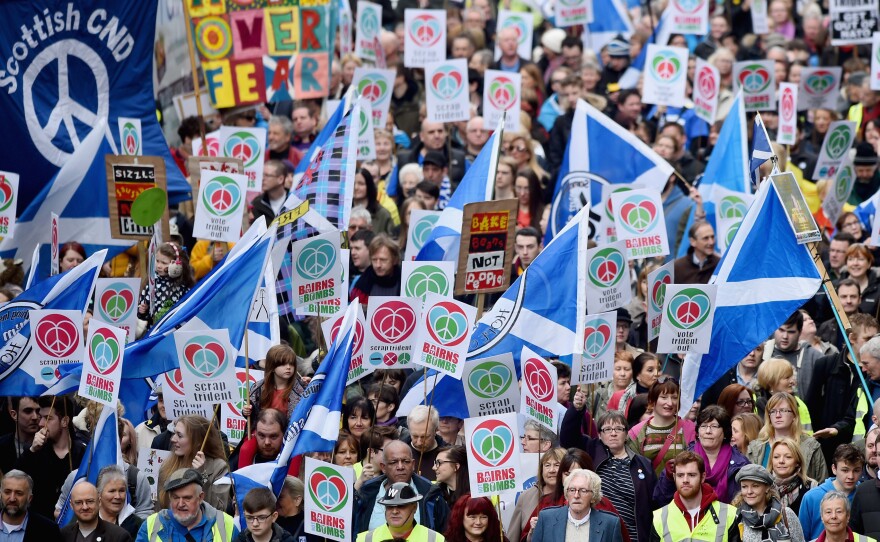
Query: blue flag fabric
[660, 36]
[760, 150]
[67, 64]
[609, 19]
[762, 279]
[477, 185]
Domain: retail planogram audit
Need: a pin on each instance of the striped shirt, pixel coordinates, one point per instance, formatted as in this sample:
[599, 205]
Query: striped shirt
[617, 485]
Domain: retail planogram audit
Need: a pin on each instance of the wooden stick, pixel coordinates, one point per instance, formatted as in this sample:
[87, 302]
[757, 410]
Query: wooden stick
[247, 379]
[195, 75]
[430, 406]
[210, 424]
[481, 302]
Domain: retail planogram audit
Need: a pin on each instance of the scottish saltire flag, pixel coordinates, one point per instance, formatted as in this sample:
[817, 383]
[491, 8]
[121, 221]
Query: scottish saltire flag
[263, 328]
[102, 451]
[660, 36]
[758, 289]
[613, 156]
[78, 195]
[68, 375]
[326, 133]
[67, 64]
[20, 374]
[760, 150]
[866, 211]
[609, 19]
[314, 425]
[477, 185]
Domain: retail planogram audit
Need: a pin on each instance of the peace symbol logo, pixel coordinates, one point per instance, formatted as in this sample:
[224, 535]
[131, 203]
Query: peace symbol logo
[422, 229]
[638, 213]
[357, 340]
[393, 322]
[819, 83]
[520, 25]
[104, 351]
[69, 121]
[374, 87]
[689, 6]
[538, 379]
[174, 380]
[606, 267]
[609, 206]
[426, 279]
[130, 139]
[732, 207]
[205, 357]
[213, 38]
[844, 183]
[490, 380]
[213, 146]
[658, 289]
[221, 196]
[6, 193]
[731, 232]
[754, 78]
[447, 323]
[838, 142]
[316, 259]
[688, 309]
[327, 489]
[425, 30]
[665, 66]
[597, 337]
[788, 105]
[243, 145]
[446, 82]
[502, 93]
[492, 443]
[244, 385]
[57, 335]
[368, 21]
[366, 124]
[116, 302]
[706, 83]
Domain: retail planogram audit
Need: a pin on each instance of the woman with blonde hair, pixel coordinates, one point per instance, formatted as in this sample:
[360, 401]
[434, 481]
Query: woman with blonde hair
[522, 150]
[189, 452]
[744, 429]
[777, 375]
[782, 420]
[789, 476]
[761, 515]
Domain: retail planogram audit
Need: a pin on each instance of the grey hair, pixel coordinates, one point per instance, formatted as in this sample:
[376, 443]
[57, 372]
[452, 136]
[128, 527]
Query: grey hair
[485, 57]
[16, 474]
[108, 474]
[543, 433]
[412, 169]
[871, 348]
[593, 481]
[395, 443]
[421, 413]
[284, 122]
[831, 495]
[293, 487]
[360, 212]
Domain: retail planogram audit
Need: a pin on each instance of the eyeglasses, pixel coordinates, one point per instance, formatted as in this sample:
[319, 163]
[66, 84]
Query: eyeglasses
[615, 429]
[710, 427]
[86, 502]
[780, 411]
[578, 491]
[744, 402]
[257, 519]
[528, 438]
[437, 462]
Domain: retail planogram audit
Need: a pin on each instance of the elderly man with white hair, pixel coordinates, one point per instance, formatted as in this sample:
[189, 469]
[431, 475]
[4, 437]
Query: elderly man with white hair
[423, 423]
[578, 520]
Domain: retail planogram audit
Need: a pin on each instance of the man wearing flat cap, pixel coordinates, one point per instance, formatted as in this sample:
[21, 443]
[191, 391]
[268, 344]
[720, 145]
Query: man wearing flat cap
[401, 502]
[189, 518]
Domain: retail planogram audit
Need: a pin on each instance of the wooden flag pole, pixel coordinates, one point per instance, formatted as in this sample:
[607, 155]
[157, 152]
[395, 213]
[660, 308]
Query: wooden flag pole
[195, 75]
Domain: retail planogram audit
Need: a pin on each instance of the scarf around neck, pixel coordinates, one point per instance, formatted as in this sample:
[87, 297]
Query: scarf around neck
[789, 488]
[770, 524]
[716, 476]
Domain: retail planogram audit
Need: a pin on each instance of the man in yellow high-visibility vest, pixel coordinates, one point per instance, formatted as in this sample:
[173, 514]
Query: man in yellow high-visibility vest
[401, 502]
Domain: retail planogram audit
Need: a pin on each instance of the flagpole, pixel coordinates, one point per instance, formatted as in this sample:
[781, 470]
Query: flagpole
[247, 378]
[430, 406]
[195, 76]
[208, 432]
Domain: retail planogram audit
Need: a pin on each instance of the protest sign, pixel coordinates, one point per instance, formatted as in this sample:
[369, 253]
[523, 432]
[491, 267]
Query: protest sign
[329, 504]
[639, 221]
[149, 462]
[607, 232]
[375, 85]
[666, 75]
[330, 327]
[490, 385]
[819, 88]
[757, 79]
[501, 92]
[424, 37]
[838, 140]
[760, 19]
[316, 268]
[689, 17]
[687, 318]
[391, 331]
[786, 133]
[56, 338]
[8, 203]
[421, 222]
[527, 477]
[130, 136]
[127, 178]
[346, 29]
[334, 305]
[102, 363]
[272, 52]
[221, 203]
[796, 209]
[422, 278]
[486, 251]
[853, 22]
[444, 334]
[875, 61]
[248, 145]
[493, 453]
[596, 364]
[573, 13]
[447, 93]
[658, 279]
[367, 30]
[839, 192]
[207, 366]
[706, 87]
[174, 393]
[366, 145]
[730, 210]
[522, 22]
[607, 285]
[116, 303]
[232, 420]
[538, 390]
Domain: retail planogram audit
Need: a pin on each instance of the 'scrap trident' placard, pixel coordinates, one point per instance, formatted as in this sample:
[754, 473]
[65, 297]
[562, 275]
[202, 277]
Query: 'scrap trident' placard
[444, 334]
[391, 333]
[316, 268]
[490, 385]
[493, 453]
[357, 369]
[687, 318]
[207, 365]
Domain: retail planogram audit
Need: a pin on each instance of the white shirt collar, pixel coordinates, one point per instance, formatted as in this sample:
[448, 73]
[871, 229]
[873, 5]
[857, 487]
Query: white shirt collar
[578, 522]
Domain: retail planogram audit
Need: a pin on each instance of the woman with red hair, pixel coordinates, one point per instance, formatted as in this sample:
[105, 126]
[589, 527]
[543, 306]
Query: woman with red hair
[473, 519]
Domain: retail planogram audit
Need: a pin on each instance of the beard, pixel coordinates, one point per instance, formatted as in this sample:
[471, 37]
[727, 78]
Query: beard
[186, 519]
[14, 510]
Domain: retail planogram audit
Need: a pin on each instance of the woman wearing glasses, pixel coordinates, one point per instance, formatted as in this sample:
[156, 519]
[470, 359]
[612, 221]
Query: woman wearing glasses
[777, 375]
[453, 481]
[722, 461]
[736, 399]
[628, 478]
[664, 435]
[782, 420]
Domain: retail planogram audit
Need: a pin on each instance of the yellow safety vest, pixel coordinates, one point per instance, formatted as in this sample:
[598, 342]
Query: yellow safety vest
[217, 534]
[862, 538]
[806, 420]
[855, 114]
[672, 526]
[419, 534]
[861, 411]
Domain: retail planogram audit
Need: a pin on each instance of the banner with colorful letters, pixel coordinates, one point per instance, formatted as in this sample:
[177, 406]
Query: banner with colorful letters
[329, 501]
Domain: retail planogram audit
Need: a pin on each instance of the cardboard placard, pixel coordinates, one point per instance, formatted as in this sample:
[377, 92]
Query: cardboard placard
[127, 178]
[486, 253]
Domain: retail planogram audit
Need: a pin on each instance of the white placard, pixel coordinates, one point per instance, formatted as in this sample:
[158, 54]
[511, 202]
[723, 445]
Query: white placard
[248, 145]
[8, 203]
[56, 339]
[490, 385]
[838, 140]
[493, 454]
[149, 462]
[658, 279]
[357, 368]
[573, 13]
[336, 305]
[366, 135]
[875, 61]
[706, 87]
[329, 500]
[174, 394]
[819, 88]
[786, 133]
[760, 19]
[116, 303]
[502, 92]
[687, 318]
[421, 223]
[689, 16]
[607, 230]
[730, 209]
[130, 137]
[838, 193]
[665, 75]
[207, 366]
[102, 363]
[757, 79]
[222, 197]
[446, 89]
[369, 25]
[639, 220]
[418, 279]
[316, 269]
[375, 85]
[444, 334]
[392, 325]
[424, 37]
[538, 390]
[607, 278]
[520, 21]
[232, 420]
[597, 362]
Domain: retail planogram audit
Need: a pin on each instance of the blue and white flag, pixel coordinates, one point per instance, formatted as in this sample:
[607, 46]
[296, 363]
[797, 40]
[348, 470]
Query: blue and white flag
[758, 289]
[613, 156]
[477, 185]
[322, 137]
[72, 290]
[660, 36]
[102, 451]
[760, 150]
[609, 19]
[78, 195]
[263, 329]
[66, 65]
[866, 211]
[314, 425]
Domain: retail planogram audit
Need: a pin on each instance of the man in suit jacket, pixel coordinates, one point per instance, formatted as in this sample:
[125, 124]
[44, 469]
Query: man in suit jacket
[582, 491]
[89, 527]
[17, 491]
